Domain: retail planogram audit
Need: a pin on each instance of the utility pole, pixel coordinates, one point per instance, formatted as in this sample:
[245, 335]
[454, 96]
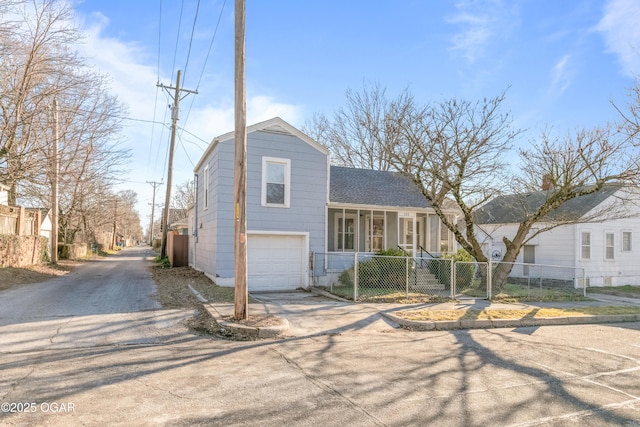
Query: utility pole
[115, 216]
[241, 297]
[153, 206]
[175, 111]
[54, 185]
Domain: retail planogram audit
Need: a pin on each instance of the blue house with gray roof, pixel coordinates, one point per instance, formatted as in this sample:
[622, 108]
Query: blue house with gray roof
[298, 205]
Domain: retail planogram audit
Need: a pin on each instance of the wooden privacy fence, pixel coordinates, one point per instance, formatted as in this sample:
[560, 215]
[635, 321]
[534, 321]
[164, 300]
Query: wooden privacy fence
[16, 220]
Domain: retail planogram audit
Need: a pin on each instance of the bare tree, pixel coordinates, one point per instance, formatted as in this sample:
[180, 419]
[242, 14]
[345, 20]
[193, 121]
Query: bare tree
[38, 66]
[184, 196]
[34, 57]
[363, 134]
[460, 154]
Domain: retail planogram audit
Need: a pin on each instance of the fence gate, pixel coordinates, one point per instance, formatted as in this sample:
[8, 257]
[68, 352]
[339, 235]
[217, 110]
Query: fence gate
[471, 280]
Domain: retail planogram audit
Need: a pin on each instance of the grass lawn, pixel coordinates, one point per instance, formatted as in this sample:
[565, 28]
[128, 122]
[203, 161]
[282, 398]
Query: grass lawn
[622, 291]
[384, 295]
[436, 315]
[518, 293]
[511, 293]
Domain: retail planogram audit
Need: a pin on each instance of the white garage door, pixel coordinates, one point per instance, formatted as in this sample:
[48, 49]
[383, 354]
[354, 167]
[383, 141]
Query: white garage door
[276, 262]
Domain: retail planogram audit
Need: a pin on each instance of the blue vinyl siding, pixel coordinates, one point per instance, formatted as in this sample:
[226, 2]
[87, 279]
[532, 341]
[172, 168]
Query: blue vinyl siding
[308, 196]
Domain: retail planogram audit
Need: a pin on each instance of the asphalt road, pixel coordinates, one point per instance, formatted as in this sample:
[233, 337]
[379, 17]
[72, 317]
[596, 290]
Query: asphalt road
[161, 374]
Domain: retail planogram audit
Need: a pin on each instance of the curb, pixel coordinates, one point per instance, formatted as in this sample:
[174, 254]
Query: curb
[253, 332]
[443, 325]
[275, 331]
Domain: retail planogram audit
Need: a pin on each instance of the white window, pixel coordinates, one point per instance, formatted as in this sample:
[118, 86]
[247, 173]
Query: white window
[585, 244]
[609, 246]
[626, 241]
[374, 229]
[206, 187]
[345, 232]
[276, 182]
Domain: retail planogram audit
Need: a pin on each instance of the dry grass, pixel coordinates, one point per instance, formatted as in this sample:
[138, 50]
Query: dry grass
[11, 276]
[491, 314]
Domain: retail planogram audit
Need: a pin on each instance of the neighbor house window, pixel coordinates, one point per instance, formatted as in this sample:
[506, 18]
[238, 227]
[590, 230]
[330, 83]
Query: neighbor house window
[276, 183]
[626, 241]
[206, 187]
[585, 244]
[608, 246]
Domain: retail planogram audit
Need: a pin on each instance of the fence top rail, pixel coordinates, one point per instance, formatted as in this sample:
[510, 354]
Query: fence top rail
[538, 265]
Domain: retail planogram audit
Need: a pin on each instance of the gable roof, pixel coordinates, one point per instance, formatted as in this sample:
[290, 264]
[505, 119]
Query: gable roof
[514, 208]
[274, 125]
[375, 188]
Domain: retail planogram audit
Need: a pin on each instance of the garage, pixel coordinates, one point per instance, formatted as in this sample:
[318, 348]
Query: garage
[277, 262]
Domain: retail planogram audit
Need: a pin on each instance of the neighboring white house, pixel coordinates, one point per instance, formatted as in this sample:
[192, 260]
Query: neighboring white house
[297, 205]
[601, 234]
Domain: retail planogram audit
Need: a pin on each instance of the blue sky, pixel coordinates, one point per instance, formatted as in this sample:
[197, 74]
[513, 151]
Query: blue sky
[564, 62]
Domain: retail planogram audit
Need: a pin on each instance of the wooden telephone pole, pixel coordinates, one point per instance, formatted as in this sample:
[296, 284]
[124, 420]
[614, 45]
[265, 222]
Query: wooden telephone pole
[153, 208]
[241, 297]
[54, 185]
[175, 112]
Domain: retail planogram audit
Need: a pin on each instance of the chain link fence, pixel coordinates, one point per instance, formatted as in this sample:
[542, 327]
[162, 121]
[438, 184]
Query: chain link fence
[472, 279]
[370, 277]
[545, 282]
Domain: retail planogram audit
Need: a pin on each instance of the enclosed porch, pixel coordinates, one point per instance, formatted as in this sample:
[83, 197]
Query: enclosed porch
[418, 233]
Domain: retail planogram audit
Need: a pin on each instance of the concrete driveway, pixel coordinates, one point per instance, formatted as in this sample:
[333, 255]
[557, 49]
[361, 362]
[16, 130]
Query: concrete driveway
[312, 314]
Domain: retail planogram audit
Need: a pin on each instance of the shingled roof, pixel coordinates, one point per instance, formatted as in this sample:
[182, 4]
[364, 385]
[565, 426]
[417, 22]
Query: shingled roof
[374, 188]
[515, 207]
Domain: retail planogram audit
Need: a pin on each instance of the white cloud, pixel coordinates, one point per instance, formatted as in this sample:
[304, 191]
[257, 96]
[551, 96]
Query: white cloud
[561, 75]
[621, 31]
[133, 79]
[480, 22]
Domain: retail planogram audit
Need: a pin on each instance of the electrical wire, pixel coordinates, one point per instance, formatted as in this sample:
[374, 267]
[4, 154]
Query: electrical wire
[193, 29]
[155, 102]
[175, 51]
[213, 37]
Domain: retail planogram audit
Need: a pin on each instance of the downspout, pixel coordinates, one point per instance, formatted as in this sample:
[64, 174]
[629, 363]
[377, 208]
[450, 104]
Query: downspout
[195, 221]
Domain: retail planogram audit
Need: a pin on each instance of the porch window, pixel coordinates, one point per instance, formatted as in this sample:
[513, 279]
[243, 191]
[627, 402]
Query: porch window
[609, 246]
[439, 237]
[276, 184]
[444, 238]
[585, 245]
[375, 233]
[345, 232]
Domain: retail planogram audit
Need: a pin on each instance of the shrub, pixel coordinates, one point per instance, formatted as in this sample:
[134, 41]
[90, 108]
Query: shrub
[385, 268]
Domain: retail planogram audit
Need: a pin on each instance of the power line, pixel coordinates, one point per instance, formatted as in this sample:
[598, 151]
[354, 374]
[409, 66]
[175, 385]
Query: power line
[175, 51]
[193, 29]
[204, 66]
[155, 102]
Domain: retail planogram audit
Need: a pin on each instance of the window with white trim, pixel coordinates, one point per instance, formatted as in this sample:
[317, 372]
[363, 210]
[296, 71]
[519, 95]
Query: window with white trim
[345, 237]
[206, 187]
[626, 241]
[609, 246]
[276, 182]
[585, 245]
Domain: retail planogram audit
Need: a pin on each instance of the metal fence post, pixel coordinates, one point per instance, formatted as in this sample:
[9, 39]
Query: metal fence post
[584, 282]
[406, 277]
[355, 276]
[452, 278]
[489, 278]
